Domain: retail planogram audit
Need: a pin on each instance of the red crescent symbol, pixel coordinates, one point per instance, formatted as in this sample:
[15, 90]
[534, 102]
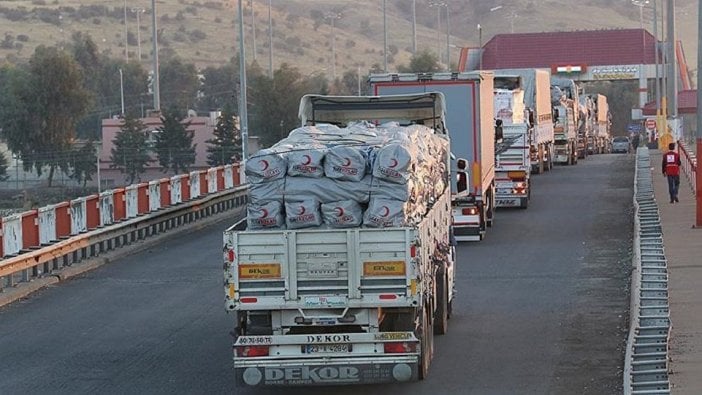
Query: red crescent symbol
[340, 211]
[308, 160]
[393, 163]
[302, 210]
[264, 164]
[265, 213]
[387, 211]
[347, 163]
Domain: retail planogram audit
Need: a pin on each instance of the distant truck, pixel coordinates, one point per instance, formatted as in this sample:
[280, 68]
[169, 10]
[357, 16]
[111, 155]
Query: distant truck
[603, 131]
[564, 100]
[537, 101]
[471, 125]
[588, 124]
[512, 160]
[340, 306]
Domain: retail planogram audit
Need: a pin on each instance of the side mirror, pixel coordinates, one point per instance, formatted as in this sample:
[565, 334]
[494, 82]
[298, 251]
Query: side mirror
[461, 175]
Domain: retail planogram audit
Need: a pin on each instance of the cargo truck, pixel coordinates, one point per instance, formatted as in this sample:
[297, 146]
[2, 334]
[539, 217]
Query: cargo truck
[537, 101]
[583, 129]
[589, 123]
[603, 135]
[471, 124]
[564, 100]
[325, 306]
[512, 160]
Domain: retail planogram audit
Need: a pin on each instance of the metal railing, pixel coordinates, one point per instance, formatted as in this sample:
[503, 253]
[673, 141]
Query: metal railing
[51, 259]
[689, 165]
[646, 361]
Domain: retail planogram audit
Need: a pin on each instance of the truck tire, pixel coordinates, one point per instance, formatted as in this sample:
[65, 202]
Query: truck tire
[426, 344]
[441, 314]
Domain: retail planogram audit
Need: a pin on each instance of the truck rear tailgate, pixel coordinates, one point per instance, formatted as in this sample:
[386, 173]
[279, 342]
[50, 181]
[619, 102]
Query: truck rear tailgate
[319, 268]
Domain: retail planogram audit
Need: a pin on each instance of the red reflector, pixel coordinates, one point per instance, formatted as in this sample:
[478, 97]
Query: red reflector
[399, 347]
[248, 300]
[388, 296]
[413, 251]
[252, 351]
[231, 256]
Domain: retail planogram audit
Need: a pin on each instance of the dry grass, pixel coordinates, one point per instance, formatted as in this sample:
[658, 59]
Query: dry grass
[359, 39]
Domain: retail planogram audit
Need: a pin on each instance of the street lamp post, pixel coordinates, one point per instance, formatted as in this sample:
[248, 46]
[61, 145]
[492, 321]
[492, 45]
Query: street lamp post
[138, 11]
[332, 16]
[698, 173]
[385, 37]
[438, 5]
[270, 40]
[448, 39]
[480, 46]
[121, 89]
[154, 39]
[414, 27]
[253, 30]
[126, 34]
[243, 115]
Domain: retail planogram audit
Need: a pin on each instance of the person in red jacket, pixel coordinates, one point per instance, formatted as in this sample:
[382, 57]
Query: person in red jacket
[671, 169]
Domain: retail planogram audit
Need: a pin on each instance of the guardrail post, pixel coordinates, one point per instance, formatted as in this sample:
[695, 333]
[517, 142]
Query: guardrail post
[154, 195]
[165, 192]
[92, 211]
[212, 180]
[203, 182]
[119, 201]
[79, 223]
[107, 208]
[220, 178]
[194, 184]
[176, 189]
[30, 230]
[47, 225]
[12, 234]
[228, 176]
[132, 201]
[185, 188]
[143, 198]
[236, 171]
[63, 220]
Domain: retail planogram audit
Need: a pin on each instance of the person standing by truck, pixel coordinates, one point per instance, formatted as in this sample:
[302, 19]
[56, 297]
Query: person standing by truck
[671, 169]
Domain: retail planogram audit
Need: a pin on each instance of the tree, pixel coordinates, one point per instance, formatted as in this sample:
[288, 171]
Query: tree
[218, 86]
[422, 62]
[130, 153]
[179, 84]
[3, 167]
[49, 99]
[174, 143]
[225, 147]
[84, 163]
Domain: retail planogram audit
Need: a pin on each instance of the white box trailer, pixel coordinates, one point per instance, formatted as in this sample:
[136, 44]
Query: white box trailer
[471, 125]
[342, 306]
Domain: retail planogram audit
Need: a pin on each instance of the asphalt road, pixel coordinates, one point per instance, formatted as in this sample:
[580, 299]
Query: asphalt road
[542, 309]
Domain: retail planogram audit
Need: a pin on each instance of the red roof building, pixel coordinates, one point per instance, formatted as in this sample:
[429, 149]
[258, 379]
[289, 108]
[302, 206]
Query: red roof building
[588, 47]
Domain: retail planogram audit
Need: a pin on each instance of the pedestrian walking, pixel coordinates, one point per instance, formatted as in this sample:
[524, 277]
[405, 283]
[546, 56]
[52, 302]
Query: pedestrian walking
[635, 141]
[671, 169]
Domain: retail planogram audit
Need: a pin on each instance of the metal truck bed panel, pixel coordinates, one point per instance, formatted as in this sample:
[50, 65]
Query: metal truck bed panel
[513, 152]
[469, 118]
[332, 268]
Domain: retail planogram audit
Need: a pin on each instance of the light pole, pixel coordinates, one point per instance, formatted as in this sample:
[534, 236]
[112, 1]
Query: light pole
[385, 37]
[448, 39]
[270, 40]
[332, 16]
[672, 61]
[154, 39]
[121, 89]
[138, 11]
[438, 5]
[641, 4]
[243, 115]
[480, 46]
[414, 27]
[253, 29]
[126, 34]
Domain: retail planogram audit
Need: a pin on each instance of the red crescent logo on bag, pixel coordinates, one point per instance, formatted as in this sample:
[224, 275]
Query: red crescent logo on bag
[386, 211]
[264, 164]
[302, 210]
[264, 213]
[347, 162]
[308, 160]
[393, 163]
[339, 211]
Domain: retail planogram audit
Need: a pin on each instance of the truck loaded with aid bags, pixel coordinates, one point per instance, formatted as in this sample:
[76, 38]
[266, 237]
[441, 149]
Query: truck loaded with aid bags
[343, 269]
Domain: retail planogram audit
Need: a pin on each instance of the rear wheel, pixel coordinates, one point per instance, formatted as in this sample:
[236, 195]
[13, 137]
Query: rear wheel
[426, 344]
[441, 315]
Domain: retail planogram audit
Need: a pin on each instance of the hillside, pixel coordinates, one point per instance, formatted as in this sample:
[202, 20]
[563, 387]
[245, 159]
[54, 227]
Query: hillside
[203, 32]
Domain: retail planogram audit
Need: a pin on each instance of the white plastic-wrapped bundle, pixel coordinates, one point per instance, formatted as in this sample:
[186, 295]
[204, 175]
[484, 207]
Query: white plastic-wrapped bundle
[306, 162]
[326, 190]
[265, 216]
[386, 213]
[394, 163]
[267, 191]
[343, 162]
[266, 165]
[342, 214]
[302, 214]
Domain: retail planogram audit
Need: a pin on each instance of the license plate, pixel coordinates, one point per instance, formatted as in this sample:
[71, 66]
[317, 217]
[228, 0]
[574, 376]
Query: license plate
[326, 348]
[507, 202]
[325, 301]
[504, 185]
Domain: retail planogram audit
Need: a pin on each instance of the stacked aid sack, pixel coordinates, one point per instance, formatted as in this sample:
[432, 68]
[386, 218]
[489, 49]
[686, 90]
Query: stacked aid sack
[376, 176]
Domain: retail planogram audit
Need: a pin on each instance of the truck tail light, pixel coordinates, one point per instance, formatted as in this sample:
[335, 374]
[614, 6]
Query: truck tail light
[248, 300]
[387, 296]
[231, 256]
[469, 211]
[251, 351]
[413, 251]
[399, 347]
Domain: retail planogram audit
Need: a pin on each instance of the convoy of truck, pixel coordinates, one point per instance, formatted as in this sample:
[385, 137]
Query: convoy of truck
[343, 270]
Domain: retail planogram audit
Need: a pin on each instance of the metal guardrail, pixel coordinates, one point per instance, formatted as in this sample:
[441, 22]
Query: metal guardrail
[646, 362]
[689, 165]
[51, 259]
